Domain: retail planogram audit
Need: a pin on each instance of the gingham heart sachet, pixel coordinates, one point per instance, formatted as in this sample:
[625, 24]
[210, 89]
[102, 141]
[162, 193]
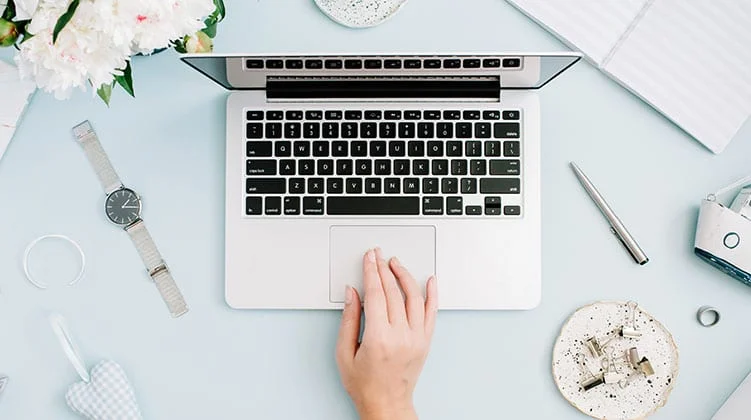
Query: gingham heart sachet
[107, 396]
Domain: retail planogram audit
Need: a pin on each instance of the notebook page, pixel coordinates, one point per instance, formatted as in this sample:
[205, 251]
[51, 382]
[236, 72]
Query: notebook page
[15, 95]
[590, 26]
[691, 61]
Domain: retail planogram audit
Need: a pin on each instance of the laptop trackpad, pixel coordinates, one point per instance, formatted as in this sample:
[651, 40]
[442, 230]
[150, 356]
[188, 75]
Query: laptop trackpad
[413, 245]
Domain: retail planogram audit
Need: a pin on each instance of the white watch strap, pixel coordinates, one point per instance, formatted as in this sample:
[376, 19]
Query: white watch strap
[89, 141]
[157, 268]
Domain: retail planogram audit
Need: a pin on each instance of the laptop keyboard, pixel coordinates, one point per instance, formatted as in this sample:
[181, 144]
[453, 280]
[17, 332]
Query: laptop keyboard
[383, 162]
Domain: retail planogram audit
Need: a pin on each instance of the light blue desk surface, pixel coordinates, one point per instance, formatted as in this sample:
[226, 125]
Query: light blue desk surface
[216, 363]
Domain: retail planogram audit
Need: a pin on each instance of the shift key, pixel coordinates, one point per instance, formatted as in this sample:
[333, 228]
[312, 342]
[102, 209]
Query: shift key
[500, 186]
[266, 186]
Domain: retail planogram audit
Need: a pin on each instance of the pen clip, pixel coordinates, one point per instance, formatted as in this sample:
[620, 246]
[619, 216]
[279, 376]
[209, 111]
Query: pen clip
[625, 245]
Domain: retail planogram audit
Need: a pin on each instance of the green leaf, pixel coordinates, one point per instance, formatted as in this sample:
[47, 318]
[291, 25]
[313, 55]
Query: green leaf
[64, 19]
[105, 92]
[10, 11]
[220, 9]
[126, 80]
[210, 30]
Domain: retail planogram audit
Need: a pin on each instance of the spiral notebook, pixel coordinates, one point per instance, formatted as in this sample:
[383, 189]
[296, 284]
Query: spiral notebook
[690, 60]
[14, 95]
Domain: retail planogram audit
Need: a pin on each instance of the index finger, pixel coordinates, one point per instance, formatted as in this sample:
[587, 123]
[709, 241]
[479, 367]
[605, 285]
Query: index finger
[375, 297]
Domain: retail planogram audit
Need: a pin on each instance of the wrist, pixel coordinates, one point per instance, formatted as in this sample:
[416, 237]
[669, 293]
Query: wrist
[388, 412]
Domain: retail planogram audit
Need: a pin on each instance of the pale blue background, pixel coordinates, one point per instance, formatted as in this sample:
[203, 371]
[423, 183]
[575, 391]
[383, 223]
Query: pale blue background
[225, 364]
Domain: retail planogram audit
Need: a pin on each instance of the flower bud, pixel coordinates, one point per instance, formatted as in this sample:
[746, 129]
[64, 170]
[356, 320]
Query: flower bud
[199, 43]
[8, 33]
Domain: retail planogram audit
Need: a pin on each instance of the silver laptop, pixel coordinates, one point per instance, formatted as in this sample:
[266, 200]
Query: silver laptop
[434, 158]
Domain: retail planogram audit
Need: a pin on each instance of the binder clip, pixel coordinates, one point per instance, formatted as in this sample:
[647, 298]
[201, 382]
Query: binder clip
[629, 330]
[590, 380]
[612, 375]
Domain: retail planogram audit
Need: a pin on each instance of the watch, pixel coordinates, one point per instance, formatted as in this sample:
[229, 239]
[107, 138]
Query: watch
[123, 208]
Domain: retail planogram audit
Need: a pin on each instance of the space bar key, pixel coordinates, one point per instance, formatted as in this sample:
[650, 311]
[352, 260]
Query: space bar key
[372, 206]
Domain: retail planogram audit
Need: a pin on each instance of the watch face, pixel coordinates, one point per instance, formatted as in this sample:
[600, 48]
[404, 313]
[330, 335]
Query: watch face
[123, 207]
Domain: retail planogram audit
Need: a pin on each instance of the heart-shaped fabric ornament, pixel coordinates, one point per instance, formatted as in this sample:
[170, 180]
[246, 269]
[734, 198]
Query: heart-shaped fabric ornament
[3, 382]
[108, 396]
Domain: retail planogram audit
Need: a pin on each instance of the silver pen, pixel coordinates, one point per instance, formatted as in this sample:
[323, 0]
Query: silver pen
[616, 226]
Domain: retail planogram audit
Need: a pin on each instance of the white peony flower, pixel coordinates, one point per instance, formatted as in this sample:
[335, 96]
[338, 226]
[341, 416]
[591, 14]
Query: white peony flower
[25, 9]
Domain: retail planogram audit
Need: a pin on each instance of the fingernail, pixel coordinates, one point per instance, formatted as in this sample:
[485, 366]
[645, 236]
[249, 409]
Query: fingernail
[379, 253]
[397, 262]
[371, 256]
[349, 295]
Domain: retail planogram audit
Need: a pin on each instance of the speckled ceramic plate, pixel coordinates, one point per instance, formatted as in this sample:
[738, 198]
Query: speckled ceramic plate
[360, 13]
[643, 395]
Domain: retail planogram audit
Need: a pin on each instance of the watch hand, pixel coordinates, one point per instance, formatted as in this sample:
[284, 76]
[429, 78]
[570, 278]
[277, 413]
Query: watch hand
[130, 207]
[125, 204]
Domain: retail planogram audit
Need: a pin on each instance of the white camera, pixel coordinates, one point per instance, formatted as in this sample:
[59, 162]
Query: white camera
[723, 235]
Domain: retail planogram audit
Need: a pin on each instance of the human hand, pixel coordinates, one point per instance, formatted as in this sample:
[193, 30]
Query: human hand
[381, 372]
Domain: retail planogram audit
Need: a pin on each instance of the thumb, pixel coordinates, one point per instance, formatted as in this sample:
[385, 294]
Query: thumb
[349, 330]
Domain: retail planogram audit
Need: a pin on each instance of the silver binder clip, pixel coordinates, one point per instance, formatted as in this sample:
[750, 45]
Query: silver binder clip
[645, 366]
[612, 375]
[589, 379]
[629, 330]
[633, 357]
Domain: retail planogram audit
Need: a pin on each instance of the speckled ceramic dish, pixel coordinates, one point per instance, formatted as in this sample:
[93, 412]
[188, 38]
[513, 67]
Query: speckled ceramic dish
[360, 13]
[644, 394]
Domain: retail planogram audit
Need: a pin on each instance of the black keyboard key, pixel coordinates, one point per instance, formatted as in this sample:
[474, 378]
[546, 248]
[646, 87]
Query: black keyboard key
[387, 130]
[254, 64]
[372, 185]
[463, 130]
[392, 185]
[477, 167]
[353, 115]
[265, 186]
[373, 64]
[510, 115]
[452, 115]
[471, 63]
[293, 64]
[412, 64]
[273, 130]
[512, 62]
[500, 186]
[454, 148]
[254, 130]
[492, 148]
[359, 148]
[274, 64]
[330, 130]
[469, 185]
[344, 167]
[473, 148]
[512, 210]
[454, 206]
[368, 130]
[425, 130]
[292, 130]
[287, 167]
[397, 148]
[440, 167]
[333, 115]
[352, 64]
[445, 130]
[401, 167]
[377, 148]
[511, 149]
[392, 115]
[334, 185]
[458, 167]
[382, 167]
[392, 64]
[420, 167]
[313, 115]
[294, 115]
[491, 115]
[291, 206]
[312, 130]
[451, 63]
[354, 185]
[491, 62]
[349, 130]
[430, 186]
[254, 115]
[471, 115]
[315, 185]
[297, 185]
[435, 148]
[506, 130]
[473, 210]
[321, 149]
[325, 167]
[274, 115]
[449, 186]
[363, 167]
[373, 206]
[302, 148]
[260, 167]
[373, 115]
[407, 130]
[492, 206]
[416, 148]
[432, 64]
[505, 167]
[411, 186]
[492, 211]
[432, 206]
[313, 64]
[259, 148]
[482, 130]
[312, 206]
[306, 167]
[333, 64]
[253, 206]
[340, 149]
[432, 115]
[273, 206]
[412, 115]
